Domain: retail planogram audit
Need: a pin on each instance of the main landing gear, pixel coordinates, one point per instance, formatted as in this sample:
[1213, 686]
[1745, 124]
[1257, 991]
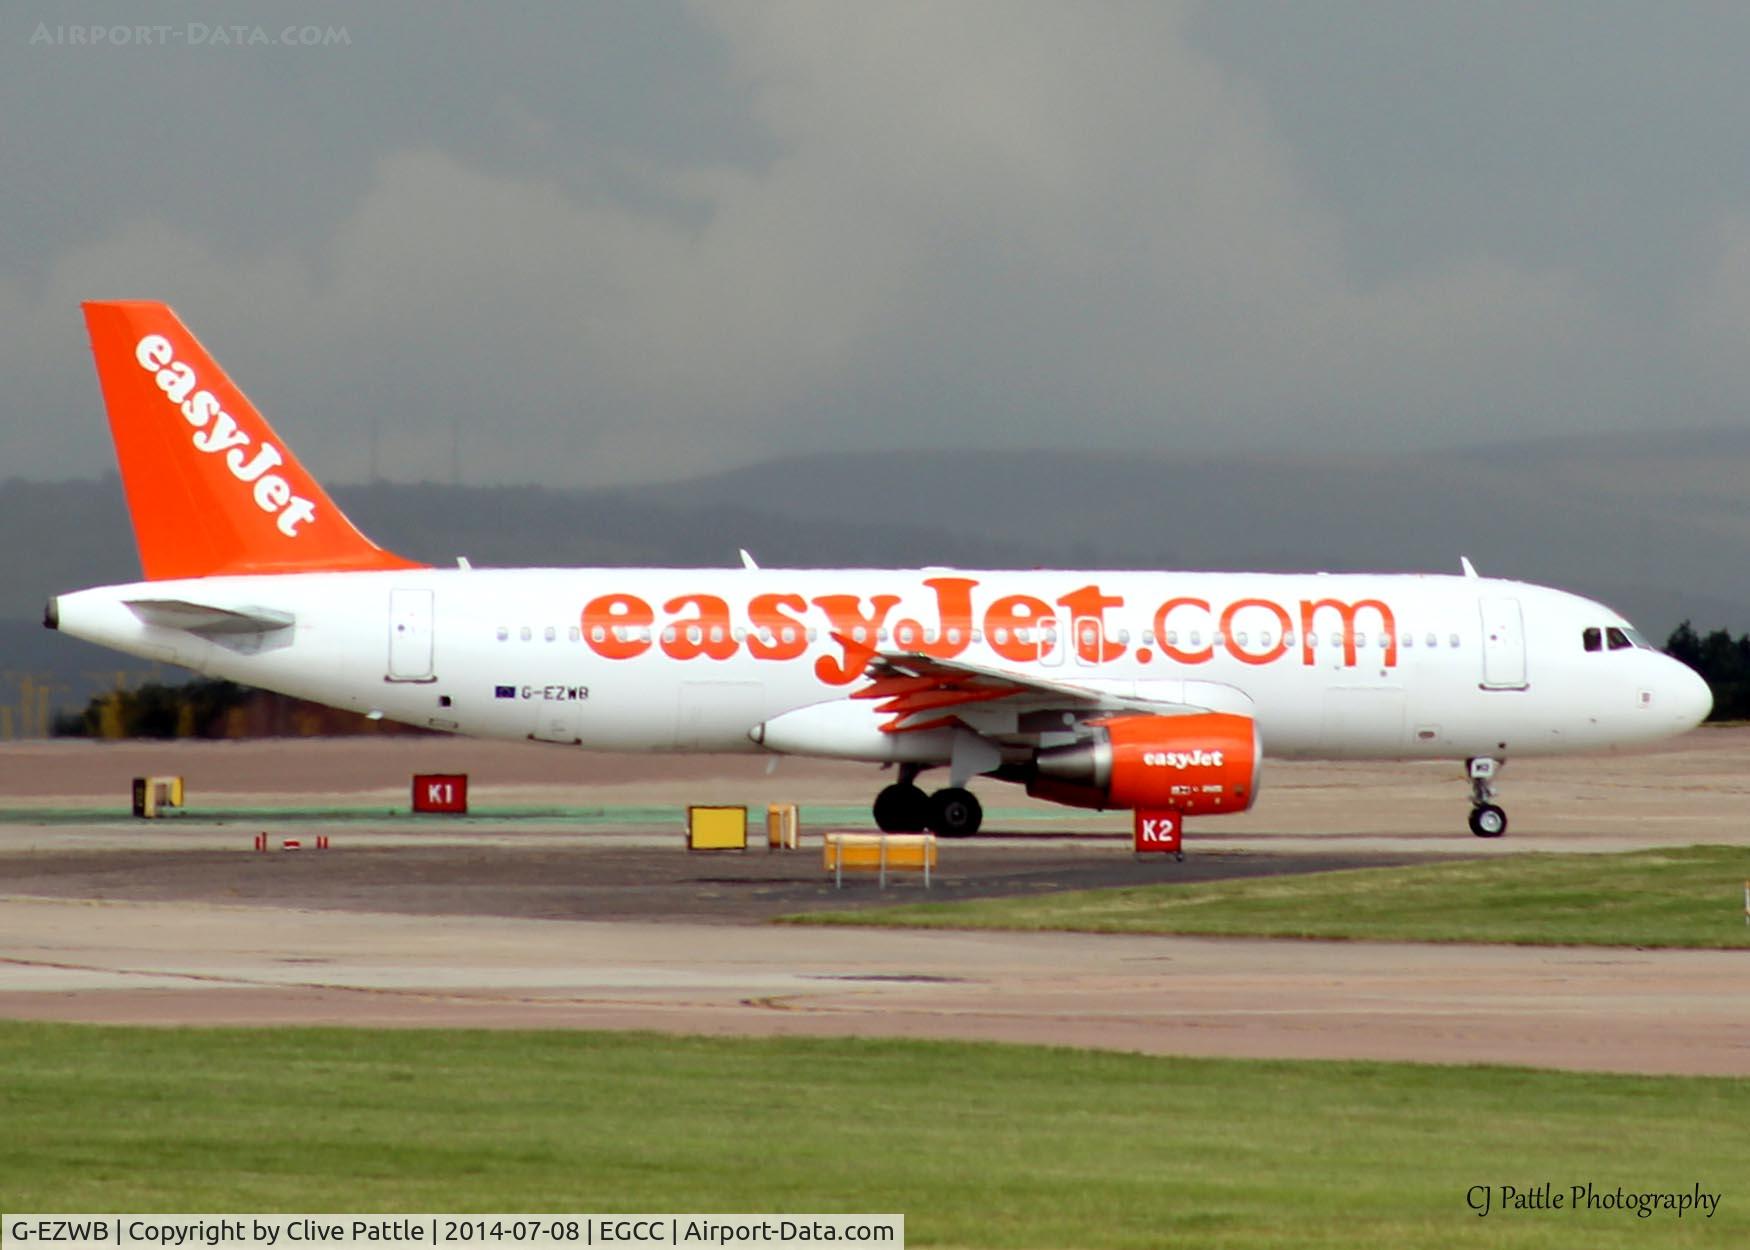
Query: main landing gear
[952, 812]
[1487, 820]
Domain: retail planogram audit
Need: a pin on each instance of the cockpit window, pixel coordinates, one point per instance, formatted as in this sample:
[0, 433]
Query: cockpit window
[1619, 641]
[1634, 636]
[1592, 638]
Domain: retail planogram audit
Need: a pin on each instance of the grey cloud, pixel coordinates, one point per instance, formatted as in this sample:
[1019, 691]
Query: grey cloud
[645, 241]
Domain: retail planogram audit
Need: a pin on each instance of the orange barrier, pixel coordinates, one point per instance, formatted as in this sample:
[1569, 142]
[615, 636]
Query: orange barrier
[880, 853]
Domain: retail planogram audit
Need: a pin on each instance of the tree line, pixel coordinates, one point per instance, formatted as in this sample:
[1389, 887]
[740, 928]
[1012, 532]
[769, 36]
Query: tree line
[214, 709]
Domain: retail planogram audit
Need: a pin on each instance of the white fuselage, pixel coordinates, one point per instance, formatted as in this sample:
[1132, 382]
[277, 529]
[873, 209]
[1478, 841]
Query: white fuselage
[1331, 666]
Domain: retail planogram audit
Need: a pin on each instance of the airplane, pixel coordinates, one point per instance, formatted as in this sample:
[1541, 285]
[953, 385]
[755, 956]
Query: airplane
[1156, 692]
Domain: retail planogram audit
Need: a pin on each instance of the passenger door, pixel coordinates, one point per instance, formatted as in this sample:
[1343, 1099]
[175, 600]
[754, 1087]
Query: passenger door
[410, 636]
[1503, 645]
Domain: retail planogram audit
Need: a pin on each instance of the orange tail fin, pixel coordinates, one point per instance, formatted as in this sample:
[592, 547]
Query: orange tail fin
[211, 488]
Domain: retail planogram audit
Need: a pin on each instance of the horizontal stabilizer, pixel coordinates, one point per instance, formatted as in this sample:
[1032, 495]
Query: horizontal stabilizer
[209, 621]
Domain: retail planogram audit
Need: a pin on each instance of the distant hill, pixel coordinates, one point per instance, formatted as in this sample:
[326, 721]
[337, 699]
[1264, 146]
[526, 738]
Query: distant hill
[1657, 526]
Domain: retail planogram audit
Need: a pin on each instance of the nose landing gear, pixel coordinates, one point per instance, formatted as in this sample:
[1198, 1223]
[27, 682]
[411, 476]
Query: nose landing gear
[1487, 819]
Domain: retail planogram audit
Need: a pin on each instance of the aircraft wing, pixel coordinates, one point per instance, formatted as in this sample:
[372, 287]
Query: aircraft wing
[923, 692]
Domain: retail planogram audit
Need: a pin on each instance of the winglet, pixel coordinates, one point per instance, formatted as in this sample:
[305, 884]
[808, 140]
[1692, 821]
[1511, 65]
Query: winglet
[211, 488]
[747, 561]
[1470, 569]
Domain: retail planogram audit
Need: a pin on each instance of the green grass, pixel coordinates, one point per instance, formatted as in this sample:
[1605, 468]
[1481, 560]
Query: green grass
[1692, 896]
[978, 1145]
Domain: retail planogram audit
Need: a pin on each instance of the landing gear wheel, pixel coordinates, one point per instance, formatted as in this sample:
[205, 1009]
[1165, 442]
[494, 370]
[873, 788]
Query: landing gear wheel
[955, 813]
[902, 808]
[1488, 821]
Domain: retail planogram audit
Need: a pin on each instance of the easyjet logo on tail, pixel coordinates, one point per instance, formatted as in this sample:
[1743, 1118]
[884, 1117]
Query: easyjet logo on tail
[216, 433]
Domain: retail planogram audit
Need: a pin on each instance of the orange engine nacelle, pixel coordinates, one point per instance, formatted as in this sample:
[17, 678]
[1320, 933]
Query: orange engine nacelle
[1199, 764]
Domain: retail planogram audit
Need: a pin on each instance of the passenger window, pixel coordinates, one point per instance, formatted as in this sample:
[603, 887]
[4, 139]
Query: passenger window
[1433, 641]
[1592, 638]
[1617, 639]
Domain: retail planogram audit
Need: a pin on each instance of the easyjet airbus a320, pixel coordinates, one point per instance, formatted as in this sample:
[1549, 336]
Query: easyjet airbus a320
[1150, 691]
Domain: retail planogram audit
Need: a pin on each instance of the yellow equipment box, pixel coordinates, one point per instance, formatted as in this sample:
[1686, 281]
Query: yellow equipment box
[783, 827]
[717, 828]
[153, 793]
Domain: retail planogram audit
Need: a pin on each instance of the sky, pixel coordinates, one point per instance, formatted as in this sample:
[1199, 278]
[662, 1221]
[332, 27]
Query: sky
[640, 241]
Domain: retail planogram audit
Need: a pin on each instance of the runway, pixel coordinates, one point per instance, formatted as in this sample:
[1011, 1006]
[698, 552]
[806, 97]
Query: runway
[482, 926]
[161, 963]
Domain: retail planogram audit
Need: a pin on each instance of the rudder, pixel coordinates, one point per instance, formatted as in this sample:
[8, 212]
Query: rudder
[211, 489]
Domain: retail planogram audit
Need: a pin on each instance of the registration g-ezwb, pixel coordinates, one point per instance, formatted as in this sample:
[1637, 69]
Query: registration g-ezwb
[1157, 692]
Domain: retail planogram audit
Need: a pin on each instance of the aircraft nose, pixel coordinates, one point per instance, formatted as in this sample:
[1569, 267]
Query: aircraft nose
[1689, 700]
